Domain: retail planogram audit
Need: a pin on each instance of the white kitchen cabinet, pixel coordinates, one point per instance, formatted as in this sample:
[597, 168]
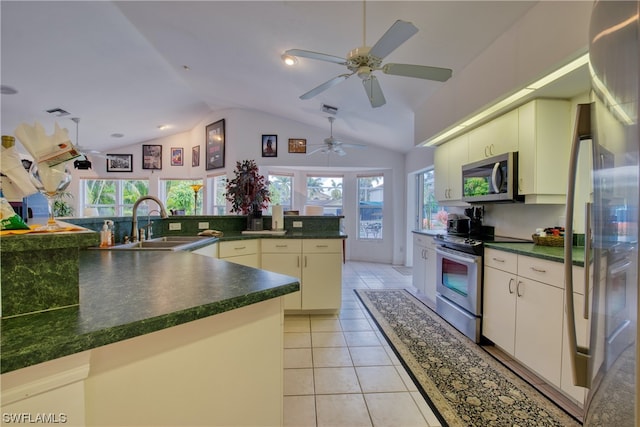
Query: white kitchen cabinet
[538, 343]
[448, 161]
[524, 316]
[317, 263]
[544, 133]
[321, 274]
[210, 250]
[424, 265]
[245, 252]
[284, 256]
[495, 137]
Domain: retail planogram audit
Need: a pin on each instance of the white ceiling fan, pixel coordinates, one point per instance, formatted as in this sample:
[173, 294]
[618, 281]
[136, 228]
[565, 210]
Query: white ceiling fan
[364, 60]
[85, 151]
[332, 145]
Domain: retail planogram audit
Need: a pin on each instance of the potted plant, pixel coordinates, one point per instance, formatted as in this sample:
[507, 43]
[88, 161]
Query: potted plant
[248, 193]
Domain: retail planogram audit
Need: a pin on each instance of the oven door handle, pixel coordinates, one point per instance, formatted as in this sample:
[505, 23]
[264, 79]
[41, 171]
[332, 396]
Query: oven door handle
[469, 259]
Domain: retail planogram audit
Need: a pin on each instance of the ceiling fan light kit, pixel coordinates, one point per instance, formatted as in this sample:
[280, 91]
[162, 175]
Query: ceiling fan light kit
[333, 145]
[364, 60]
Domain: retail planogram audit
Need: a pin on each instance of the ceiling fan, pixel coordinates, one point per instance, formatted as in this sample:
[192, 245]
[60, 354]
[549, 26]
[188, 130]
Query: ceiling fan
[364, 60]
[85, 151]
[332, 145]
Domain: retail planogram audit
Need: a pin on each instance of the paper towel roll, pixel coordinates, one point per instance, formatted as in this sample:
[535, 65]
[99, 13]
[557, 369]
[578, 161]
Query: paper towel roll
[277, 217]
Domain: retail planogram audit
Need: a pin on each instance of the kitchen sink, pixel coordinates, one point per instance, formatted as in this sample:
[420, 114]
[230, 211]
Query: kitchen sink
[165, 243]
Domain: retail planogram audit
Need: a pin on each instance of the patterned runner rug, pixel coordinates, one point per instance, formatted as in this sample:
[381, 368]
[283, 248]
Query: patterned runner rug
[464, 384]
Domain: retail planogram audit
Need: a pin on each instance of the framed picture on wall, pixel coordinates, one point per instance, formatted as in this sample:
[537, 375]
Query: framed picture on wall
[195, 156]
[215, 141]
[177, 156]
[119, 162]
[152, 157]
[269, 145]
[297, 145]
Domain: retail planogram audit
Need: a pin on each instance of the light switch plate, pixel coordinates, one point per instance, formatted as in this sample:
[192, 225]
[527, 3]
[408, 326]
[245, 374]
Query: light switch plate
[175, 226]
[297, 224]
[203, 226]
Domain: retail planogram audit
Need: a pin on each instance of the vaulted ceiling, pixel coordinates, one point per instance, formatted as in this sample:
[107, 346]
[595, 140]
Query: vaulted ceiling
[128, 67]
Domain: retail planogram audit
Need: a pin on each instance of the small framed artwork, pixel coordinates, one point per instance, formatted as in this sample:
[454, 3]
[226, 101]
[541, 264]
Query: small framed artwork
[152, 157]
[297, 145]
[177, 156]
[119, 162]
[215, 141]
[269, 145]
[195, 156]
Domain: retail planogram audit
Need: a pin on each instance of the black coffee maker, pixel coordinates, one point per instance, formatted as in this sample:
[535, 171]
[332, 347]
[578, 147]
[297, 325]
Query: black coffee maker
[475, 215]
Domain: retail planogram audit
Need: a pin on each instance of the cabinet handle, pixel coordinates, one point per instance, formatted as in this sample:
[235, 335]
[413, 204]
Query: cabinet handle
[498, 259]
[510, 283]
[305, 261]
[298, 261]
[322, 246]
[485, 151]
[518, 289]
[281, 246]
[240, 248]
[539, 270]
[491, 149]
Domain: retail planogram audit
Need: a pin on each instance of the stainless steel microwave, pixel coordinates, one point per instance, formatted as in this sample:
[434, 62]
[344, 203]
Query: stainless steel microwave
[491, 180]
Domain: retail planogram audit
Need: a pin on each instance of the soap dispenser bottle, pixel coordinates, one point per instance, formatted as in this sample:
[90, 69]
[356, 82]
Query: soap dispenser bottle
[104, 235]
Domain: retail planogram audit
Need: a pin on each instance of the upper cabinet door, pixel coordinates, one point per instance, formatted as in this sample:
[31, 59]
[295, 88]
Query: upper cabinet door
[499, 136]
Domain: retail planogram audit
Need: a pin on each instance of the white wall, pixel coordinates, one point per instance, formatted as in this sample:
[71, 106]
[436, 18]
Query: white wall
[243, 133]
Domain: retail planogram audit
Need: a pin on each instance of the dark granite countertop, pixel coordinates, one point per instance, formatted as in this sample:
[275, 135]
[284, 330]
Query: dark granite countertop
[551, 253]
[124, 294]
[430, 232]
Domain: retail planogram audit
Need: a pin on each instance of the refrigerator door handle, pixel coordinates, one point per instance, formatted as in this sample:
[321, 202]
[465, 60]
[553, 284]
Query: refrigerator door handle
[579, 356]
[587, 258]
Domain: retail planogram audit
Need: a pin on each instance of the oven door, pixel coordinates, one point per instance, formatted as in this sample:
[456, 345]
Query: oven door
[460, 278]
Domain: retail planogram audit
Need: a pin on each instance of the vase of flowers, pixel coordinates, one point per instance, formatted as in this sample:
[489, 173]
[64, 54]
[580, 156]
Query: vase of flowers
[248, 193]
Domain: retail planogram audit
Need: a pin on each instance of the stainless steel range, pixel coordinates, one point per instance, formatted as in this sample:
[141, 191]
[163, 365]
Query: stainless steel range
[459, 283]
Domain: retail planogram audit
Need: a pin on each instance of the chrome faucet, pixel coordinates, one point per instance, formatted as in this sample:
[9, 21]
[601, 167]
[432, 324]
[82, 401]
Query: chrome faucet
[134, 221]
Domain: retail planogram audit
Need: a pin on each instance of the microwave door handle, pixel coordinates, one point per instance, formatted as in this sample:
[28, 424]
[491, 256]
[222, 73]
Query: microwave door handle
[579, 356]
[494, 177]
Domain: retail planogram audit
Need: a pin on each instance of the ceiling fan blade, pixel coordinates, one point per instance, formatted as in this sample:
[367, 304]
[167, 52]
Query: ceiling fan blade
[353, 146]
[324, 86]
[418, 71]
[322, 148]
[399, 33]
[316, 55]
[374, 91]
[339, 151]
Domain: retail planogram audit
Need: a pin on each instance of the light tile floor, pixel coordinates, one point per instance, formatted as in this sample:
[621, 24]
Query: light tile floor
[339, 369]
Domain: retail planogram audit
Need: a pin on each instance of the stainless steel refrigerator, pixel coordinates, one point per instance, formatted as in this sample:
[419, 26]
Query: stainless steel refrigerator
[607, 361]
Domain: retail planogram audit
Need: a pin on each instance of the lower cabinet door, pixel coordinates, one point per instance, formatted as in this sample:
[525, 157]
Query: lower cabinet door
[322, 278]
[289, 264]
[539, 328]
[499, 308]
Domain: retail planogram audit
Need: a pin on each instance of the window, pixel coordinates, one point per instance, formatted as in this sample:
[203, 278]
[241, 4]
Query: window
[217, 190]
[113, 197]
[370, 204]
[430, 216]
[325, 192]
[180, 197]
[281, 190]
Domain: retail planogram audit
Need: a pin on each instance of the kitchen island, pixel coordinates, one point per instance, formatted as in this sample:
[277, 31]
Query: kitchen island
[159, 337]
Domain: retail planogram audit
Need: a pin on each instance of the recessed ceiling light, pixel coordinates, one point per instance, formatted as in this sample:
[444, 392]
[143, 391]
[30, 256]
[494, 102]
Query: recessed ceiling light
[290, 60]
[186, 68]
[117, 135]
[163, 127]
